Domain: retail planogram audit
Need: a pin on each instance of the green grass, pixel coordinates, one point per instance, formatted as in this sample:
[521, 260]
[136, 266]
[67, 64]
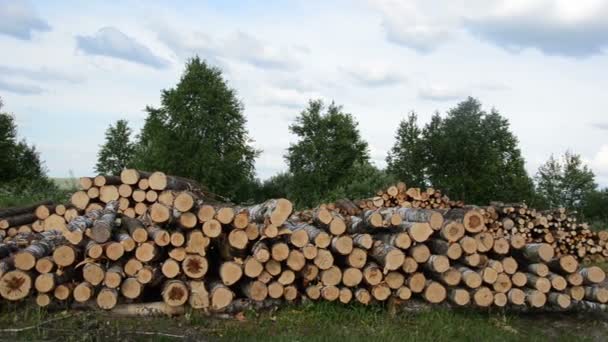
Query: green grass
[313, 322]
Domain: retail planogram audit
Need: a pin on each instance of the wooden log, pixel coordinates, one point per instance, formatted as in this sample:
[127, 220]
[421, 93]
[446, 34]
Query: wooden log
[279, 251]
[230, 272]
[131, 288]
[483, 297]
[380, 292]
[470, 278]
[276, 211]
[352, 277]
[26, 258]
[66, 255]
[342, 245]
[18, 220]
[437, 263]
[372, 274]
[136, 229]
[509, 265]
[331, 276]
[416, 282]
[108, 193]
[471, 219]
[387, 256]
[596, 294]
[45, 265]
[175, 293]
[539, 269]
[502, 284]
[363, 296]
[170, 268]
[212, 228]
[147, 251]
[500, 300]
[418, 231]
[410, 265]
[592, 275]
[113, 276]
[485, 242]
[403, 293]
[220, 295]
[83, 292]
[560, 300]
[16, 211]
[563, 265]
[363, 241]
[195, 266]
[132, 266]
[459, 297]
[468, 245]
[420, 253]
[198, 297]
[357, 258]
[93, 273]
[516, 296]
[452, 231]
[535, 298]
[346, 295]
[324, 259]
[452, 250]
[107, 298]
[15, 285]
[537, 252]
[519, 279]
[255, 290]
[433, 218]
[295, 260]
[80, 200]
[434, 292]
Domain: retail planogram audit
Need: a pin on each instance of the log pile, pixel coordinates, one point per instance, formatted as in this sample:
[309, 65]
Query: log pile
[559, 228]
[145, 237]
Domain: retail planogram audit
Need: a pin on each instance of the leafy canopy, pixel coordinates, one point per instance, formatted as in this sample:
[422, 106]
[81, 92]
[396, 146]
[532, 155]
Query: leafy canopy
[199, 132]
[117, 151]
[326, 154]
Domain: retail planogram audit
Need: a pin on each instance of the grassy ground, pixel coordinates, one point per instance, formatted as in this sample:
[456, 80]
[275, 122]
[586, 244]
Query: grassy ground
[320, 321]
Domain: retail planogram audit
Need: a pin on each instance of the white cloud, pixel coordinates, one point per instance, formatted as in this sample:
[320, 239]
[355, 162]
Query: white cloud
[40, 74]
[563, 27]
[20, 88]
[111, 42]
[375, 75]
[19, 20]
[599, 164]
[442, 93]
[405, 24]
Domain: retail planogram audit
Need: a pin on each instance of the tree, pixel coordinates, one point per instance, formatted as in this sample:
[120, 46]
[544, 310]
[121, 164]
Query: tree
[405, 159]
[594, 208]
[473, 156]
[565, 182]
[329, 147]
[199, 133]
[117, 151]
[19, 162]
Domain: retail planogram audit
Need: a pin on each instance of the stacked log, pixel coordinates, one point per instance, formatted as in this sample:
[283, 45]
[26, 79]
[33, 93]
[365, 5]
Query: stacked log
[143, 236]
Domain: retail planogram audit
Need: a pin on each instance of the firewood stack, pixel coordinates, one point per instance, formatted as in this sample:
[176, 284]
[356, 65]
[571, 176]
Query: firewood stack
[557, 227]
[143, 237]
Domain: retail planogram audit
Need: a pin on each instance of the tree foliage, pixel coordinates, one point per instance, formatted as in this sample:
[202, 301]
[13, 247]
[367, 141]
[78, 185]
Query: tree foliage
[199, 132]
[470, 154]
[405, 160]
[564, 182]
[22, 174]
[326, 155]
[117, 151]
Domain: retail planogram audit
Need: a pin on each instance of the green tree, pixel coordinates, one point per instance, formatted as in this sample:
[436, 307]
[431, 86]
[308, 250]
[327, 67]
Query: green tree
[594, 208]
[405, 159]
[117, 151]
[199, 133]
[22, 173]
[564, 182]
[473, 156]
[329, 147]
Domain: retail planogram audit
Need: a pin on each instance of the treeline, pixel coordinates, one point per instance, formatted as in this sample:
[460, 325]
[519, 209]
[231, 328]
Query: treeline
[199, 132]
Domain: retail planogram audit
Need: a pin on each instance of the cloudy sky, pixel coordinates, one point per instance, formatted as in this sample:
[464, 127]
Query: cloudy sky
[70, 68]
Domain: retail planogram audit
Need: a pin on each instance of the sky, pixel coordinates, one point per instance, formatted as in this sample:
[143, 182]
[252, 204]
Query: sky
[68, 69]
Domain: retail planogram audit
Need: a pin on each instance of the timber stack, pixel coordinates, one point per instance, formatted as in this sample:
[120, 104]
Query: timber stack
[144, 237]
